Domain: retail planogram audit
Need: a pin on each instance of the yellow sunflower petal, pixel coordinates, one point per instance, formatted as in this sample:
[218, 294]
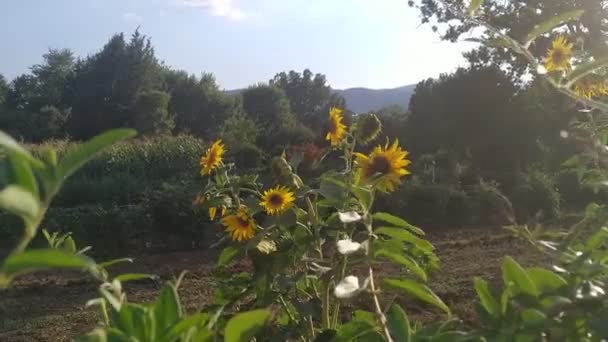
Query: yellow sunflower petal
[240, 226]
[386, 163]
[212, 213]
[212, 157]
[337, 130]
[277, 200]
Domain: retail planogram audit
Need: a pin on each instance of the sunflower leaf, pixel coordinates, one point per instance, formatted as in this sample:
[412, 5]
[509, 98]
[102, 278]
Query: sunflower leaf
[586, 69]
[551, 23]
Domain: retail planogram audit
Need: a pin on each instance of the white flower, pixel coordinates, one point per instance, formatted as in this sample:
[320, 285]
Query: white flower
[348, 246]
[347, 288]
[267, 246]
[349, 217]
[564, 134]
[541, 70]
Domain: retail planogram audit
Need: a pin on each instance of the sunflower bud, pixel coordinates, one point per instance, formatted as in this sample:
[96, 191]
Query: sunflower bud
[367, 127]
[280, 168]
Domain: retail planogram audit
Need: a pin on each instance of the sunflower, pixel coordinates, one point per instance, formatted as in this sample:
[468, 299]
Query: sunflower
[212, 158]
[337, 130]
[558, 57]
[388, 163]
[213, 212]
[591, 87]
[240, 225]
[277, 200]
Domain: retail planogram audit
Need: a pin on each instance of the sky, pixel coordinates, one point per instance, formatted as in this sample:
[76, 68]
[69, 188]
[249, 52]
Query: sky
[355, 43]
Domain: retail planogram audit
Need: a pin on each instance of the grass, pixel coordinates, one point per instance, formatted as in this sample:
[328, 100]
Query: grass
[51, 306]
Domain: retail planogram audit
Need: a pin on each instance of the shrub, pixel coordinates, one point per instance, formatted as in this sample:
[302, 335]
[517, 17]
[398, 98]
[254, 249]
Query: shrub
[247, 156]
[535, 193]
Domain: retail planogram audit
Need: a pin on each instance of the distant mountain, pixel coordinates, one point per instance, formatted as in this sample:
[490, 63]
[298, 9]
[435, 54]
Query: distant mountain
[363, 100]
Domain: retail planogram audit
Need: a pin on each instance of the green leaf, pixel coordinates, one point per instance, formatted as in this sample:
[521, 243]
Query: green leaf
[195, 321]
[486, 299]
[109, 263]
[532, 316]
[364, 196]
[20, 202]
[403, 260]
[227, 255]
[333, 190]
[77, 158]
[474, 6]
[405, 236]
[597, 239]
[22, 173]
[550, 24]
[167, 309]
[419, 291]
[545, 280]
[362, 315]
[134, 276]
[245, 326]
[397, 222]
[69, 245]
[398, 324]
[353, 330]
[512, 272]
[585, 69]
[550, 301]
[326, 336]
[13, 146]
[40, 259]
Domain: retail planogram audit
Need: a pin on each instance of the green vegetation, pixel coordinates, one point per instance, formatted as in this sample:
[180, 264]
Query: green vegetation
[315, 208]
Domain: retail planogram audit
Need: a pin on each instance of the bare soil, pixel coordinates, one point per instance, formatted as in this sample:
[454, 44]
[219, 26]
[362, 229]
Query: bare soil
[51, 306]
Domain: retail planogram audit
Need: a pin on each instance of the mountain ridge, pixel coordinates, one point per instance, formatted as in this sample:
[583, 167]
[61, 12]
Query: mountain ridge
[363, 100]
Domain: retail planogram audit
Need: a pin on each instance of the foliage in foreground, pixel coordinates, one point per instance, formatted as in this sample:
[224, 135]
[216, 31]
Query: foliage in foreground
[315, 249]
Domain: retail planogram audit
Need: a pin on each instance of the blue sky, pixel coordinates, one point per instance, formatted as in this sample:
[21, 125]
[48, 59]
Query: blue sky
[369, 43]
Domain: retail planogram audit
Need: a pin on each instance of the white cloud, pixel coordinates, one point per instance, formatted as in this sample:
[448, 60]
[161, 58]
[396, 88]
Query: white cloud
[131, 17]
[218, 8]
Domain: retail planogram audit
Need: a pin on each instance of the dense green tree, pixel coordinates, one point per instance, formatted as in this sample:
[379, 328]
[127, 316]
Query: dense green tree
[473, 114]
[268, 106]
[52, 77]
[3, 89]
[106, 85]
[21, 93]
[239, 129]
[394, 119]
[199, 106]
[151, 113]
[307, 93]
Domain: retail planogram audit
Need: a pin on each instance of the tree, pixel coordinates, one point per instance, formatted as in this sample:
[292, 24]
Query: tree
[3, 89]
[151, 113]
[394, 120]
[52, 77]
[199, 106]
[21, 94]
[307, 94]
[474, 114]
[268, 106]
[517, 19]
[239, 129]
[107, 84]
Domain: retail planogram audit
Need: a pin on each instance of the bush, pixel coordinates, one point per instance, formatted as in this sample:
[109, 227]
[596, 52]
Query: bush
[535, 192]
[247, 156]
[158, 158]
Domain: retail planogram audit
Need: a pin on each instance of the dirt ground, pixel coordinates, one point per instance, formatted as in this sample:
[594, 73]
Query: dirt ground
[50, 306]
